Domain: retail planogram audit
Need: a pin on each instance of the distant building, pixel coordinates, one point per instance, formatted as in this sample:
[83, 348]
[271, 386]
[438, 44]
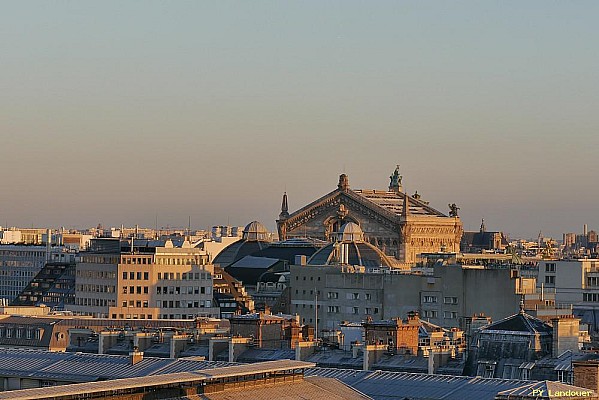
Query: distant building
[502, 349]
[19, 264]
[255, 237]
[53, 286]
[146, 280]
[266, 330]
[576, 285]
[352, 280]
[483, 240]
[400, 225]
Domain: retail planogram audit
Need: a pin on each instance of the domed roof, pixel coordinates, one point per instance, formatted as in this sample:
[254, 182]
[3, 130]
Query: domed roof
[351, 249]
[255, 231]
[255, 238]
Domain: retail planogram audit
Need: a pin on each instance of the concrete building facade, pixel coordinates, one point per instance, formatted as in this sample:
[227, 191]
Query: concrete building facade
[451, 293]
[157, 282]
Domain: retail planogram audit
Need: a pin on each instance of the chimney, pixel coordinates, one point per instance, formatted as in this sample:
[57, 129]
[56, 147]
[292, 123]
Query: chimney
[413, 318]
[566, 332]
[301, 260]
[431, 361]
[135, 356]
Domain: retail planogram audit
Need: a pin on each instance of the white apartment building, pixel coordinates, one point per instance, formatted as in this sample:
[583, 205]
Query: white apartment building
[575, 282]
[160, 281]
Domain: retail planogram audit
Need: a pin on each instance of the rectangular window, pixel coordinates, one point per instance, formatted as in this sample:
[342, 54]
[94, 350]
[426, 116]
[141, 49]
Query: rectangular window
[429, 299]
[124, 275]
[131, 275]
[146, 276]
[550, 279]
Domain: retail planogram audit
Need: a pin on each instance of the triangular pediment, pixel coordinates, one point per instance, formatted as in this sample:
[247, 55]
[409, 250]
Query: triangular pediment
[352, 201]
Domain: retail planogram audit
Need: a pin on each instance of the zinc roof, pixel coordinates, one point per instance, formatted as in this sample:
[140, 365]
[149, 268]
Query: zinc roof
[400, 385]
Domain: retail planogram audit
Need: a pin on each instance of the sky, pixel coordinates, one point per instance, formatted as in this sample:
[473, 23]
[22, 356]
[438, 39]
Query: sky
[128, 112]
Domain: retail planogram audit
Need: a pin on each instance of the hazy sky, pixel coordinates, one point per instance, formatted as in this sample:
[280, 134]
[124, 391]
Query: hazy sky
[117, 111]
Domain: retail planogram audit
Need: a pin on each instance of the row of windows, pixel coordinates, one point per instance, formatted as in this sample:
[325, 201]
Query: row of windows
[131, 275]
[304, 278]
[183, 290]
[138, 303]
[95, 288]
[135, 290]
[13, 253]
[594, 297]
[353, 310]
[20, 263]
[183, 304]
[12, 272]
[136, 260]
[19, 332]
[186, 276]
[199, 260]
[89, 302]
[133, 316]
[96, 259]
[592, 281]
[91, 274]
[304, 292]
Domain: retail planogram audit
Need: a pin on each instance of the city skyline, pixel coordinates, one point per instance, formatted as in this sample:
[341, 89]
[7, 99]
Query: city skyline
[121, 113]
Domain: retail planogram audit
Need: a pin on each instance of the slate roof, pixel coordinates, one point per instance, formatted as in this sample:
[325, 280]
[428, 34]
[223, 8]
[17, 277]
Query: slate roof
[238, 250]
[520, 322]
[288, 249]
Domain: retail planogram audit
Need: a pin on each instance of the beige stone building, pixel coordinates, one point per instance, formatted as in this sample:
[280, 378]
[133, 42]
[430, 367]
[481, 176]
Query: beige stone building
[401, 225]
[154, 281]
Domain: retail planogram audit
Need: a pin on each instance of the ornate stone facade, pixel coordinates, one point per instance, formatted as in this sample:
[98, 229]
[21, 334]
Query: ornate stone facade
[400, 225]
